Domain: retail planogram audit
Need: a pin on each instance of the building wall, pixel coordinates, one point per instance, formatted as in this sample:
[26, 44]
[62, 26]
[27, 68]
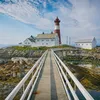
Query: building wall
[57, 41]
[94, 43]
[84, 45]
[46, 42]
[42, 42]
[27, 43]
[88, 45]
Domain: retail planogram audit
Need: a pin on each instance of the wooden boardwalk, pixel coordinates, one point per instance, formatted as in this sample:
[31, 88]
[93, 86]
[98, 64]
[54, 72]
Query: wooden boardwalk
[47, 82]
[49, 85]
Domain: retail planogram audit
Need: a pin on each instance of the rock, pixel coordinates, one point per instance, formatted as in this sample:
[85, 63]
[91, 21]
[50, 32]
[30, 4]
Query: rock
[22, 60]
[13, 52]
[3, 61]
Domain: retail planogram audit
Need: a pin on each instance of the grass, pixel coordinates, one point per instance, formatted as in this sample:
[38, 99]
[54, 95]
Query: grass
[40, 48]
[28, 48]
[11, 80]
[82, 59]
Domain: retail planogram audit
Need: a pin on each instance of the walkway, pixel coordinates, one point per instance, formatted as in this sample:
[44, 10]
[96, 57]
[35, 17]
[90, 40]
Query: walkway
[49, 85]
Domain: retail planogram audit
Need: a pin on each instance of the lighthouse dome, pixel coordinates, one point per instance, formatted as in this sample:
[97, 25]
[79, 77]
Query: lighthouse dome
[57, 20]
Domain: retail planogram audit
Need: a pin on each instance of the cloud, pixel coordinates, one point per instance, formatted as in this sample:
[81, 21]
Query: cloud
[86, 13]
[24, 12]
[79, 18]
[36, 12]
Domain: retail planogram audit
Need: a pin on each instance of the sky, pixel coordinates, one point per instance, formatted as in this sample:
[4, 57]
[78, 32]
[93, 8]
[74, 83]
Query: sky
[19, 19]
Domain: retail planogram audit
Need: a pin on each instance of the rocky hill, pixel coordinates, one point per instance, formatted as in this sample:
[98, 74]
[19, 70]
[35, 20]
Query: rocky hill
[20, 52]
[15, 62]
[16, 59]
[7, 53]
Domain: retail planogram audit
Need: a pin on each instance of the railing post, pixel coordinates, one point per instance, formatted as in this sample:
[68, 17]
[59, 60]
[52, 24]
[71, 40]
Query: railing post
[21, 84]
[75, 83]
[23, 87]
[75, 87]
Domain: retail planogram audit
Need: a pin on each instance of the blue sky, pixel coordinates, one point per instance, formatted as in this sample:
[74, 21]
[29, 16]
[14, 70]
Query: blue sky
[20, 19]
[13, 31]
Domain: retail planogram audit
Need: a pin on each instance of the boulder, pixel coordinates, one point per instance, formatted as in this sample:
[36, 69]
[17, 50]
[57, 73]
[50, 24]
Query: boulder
[3, 61]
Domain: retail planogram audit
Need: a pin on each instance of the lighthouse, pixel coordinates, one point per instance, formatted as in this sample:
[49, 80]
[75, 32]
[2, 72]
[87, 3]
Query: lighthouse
[57, 28]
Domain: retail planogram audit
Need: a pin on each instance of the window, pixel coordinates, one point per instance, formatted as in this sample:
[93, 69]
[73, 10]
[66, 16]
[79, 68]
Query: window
[26, 42]
[52, 39]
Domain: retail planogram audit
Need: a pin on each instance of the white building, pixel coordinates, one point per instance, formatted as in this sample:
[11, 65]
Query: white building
[86, 43]
[28, 42]
[53, 39]
[42, 40]
[47, 40]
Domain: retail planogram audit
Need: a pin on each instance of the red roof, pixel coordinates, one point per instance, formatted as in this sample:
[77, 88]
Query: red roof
[57, 20]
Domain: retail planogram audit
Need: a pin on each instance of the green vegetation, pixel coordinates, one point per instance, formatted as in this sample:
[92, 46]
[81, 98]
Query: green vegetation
[39, 48]
[87, 77]
[11, 80]
[96, 50]
[62, 46]
[7, 86]
[28, 48]
[82, 59]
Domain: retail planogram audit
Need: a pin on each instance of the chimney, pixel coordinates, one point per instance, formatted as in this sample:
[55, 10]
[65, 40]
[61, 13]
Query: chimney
[51, 32]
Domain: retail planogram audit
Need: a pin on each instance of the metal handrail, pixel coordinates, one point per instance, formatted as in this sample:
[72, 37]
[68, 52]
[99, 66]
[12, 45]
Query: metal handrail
[75, 80]
[22, 82]
[38, 73]
[64, 84]
[60, 66]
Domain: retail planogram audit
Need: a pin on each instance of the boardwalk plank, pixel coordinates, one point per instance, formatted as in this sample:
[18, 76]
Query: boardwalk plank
[49, 85]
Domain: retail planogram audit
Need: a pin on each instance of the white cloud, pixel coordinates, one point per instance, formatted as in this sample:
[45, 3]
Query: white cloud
[25, 13]
[80, 20]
